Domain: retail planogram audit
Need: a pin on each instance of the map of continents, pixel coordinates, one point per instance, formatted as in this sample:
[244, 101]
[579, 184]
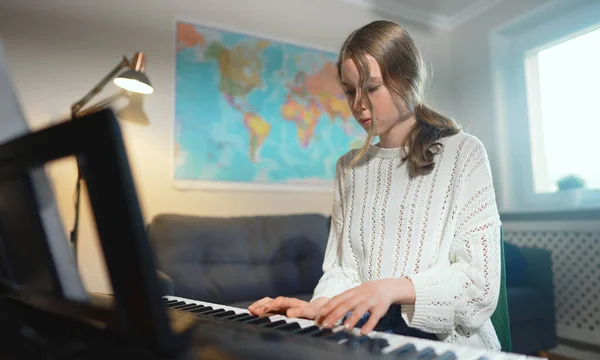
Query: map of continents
[251, 110]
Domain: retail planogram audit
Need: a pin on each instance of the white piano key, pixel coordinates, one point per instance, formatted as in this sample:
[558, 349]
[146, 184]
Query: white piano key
[277, 317]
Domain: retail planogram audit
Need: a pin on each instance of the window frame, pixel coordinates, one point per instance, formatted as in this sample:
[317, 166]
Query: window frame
[510, 44]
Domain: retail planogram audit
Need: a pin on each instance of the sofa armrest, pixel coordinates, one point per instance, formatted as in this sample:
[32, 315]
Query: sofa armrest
[539, 272]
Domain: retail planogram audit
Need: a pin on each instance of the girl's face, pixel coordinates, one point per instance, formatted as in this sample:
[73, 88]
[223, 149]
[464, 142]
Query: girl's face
[389, 110]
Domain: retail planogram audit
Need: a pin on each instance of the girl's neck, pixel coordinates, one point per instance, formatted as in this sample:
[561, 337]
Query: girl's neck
[396, 136]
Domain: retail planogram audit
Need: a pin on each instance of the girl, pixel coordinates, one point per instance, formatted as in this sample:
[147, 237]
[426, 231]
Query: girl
[414, 246]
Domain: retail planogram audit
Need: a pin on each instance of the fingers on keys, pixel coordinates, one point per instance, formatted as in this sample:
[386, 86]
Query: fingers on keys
[357, 313]
[258, 305]
[376, 313]
[280, 303]
[294, 312]
[306, 312]
[336, 309]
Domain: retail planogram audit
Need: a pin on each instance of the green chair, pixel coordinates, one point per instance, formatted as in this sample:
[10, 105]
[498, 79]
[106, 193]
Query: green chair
[500, 318]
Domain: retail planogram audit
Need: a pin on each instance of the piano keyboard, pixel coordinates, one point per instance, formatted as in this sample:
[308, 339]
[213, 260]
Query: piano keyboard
[388, 345]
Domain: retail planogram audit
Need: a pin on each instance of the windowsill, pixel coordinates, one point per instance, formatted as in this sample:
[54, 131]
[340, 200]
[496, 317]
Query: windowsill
[580, 213]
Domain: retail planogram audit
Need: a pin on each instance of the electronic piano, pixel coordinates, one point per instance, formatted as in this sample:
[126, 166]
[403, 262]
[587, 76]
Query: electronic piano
[280, 337]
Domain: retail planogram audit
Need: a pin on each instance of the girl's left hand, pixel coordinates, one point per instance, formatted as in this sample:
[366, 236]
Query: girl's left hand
[374, 297]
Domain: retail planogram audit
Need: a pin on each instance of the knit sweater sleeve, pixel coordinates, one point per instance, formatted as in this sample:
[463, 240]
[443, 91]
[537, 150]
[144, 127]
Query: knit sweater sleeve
[334, 281]
[462, 294]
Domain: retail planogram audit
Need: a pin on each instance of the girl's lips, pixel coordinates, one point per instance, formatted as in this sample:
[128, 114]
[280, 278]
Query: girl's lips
[365, 121]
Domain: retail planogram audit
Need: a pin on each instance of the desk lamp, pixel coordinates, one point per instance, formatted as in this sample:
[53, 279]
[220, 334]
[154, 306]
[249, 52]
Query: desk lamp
[135, 84]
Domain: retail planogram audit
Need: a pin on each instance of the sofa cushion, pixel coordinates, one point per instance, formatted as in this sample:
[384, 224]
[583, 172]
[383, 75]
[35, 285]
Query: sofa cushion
[526, 304]
[227, 260]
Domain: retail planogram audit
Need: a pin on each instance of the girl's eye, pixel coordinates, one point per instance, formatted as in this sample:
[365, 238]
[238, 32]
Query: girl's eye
[353, 92]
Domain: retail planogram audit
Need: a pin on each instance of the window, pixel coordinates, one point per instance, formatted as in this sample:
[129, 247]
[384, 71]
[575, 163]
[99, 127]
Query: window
[562, 96]
[546, 71]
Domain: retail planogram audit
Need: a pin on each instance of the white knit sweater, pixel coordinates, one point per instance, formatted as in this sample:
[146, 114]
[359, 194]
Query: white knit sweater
[441, 230]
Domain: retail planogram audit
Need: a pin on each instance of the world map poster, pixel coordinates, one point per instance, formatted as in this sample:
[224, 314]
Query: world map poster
[252, 112]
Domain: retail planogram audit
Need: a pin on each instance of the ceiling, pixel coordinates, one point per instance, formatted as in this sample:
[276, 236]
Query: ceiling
[435, 14]
[439, 14]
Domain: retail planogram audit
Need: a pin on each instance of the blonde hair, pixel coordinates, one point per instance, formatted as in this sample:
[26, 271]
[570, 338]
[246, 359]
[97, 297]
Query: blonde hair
[403, 72]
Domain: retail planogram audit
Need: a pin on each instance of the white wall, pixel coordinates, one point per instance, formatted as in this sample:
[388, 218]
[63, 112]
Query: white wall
[58, 50]
[472, 79]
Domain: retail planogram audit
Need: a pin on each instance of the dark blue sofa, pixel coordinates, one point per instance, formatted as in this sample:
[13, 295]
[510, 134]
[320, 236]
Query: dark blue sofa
[530, 294]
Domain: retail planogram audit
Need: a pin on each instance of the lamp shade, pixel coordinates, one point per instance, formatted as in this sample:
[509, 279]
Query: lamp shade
[135, 81]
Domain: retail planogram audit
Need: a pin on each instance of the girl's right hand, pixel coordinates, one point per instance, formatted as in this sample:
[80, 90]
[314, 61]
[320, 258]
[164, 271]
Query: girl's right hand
[290, 307]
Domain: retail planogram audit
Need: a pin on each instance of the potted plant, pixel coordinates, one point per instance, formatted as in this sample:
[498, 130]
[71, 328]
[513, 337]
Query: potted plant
[572, 186]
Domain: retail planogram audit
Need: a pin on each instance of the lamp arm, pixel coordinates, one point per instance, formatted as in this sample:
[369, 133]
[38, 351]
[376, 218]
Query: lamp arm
[76, 107]
[101, 104]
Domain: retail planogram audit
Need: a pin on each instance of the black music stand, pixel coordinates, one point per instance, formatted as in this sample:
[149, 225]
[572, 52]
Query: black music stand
[138, 310]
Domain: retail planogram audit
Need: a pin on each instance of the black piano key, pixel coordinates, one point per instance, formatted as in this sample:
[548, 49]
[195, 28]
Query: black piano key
[216, 311]
[377, 345]
[290, 327]
[355, 342]
[247, 318]
[225, 314]
[404, 350]
[181, 306]
[278, 327]
[188, 306]
[363, 339]
[274, 324]
[203, 310]
[337, 336]
[257, 321]
[309, 331]
[448, 355]
[427, 353]
[167, 301]
[323, 333]
[237, 317]
[176, 303]
[198, 305]
[194, 308]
